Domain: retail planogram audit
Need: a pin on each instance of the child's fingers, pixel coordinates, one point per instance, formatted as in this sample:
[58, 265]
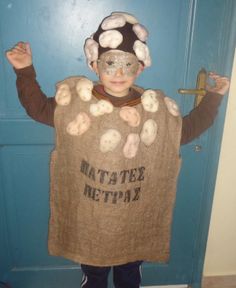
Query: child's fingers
[14, 52]
[224, 79]
[21, 45]
[221, 84]
[24, 47]
[218, 78]
[20, 48]
[17, 50]
[28, 49]
[214, 75]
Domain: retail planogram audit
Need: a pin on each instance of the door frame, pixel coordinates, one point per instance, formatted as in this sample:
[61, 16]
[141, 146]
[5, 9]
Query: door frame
[225, 63]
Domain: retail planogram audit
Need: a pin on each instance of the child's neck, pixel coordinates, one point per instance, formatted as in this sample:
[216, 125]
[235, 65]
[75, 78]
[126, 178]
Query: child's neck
[117, 94]
[133, 96]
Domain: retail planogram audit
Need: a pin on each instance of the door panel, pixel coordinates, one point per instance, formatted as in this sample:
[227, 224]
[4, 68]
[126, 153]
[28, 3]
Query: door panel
[184, 36]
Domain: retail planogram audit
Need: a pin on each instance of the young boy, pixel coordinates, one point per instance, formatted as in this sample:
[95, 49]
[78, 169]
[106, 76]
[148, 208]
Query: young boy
[116, 160]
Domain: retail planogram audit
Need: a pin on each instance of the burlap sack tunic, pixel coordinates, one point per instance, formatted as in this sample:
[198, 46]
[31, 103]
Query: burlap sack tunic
[107, 209]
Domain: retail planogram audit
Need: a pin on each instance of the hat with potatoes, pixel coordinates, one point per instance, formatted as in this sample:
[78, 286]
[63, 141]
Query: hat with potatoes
[119, 31]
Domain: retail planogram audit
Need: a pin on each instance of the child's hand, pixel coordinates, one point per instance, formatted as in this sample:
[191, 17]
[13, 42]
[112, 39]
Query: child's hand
[221, 84]
[20, 55]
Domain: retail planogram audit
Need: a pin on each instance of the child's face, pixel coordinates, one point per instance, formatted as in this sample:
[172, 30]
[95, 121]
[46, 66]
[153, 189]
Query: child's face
[117, 71]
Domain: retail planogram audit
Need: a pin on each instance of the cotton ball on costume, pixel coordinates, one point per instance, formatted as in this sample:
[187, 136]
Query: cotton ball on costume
[84, 89]
[100, 108]
[130, 115]
[149, 132]
[63, 95]
[140, 31]
[128, 17]
[149, 101]
[110, 39]
[79, 125]
[91, 50]
[142, 52]
[131, 146]
[113, 21]
[172, 106]
[109, 140]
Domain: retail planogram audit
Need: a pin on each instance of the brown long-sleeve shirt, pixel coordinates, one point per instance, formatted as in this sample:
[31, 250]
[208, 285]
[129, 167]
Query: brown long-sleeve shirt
[41, 108]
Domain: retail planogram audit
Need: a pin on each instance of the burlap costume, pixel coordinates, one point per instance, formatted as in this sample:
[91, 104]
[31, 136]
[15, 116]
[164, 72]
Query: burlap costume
[107, 209]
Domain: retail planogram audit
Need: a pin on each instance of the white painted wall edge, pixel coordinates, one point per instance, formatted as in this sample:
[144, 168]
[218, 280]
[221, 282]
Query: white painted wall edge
[221, 252]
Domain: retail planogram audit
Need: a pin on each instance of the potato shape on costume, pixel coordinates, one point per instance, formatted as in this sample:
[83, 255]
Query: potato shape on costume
[131, 146]
[109, 140]
[100, 108]
[84, 89]
[91, 51]
[140, 31]
[113, 21]
[149, 132]
[63, 95]
[128, 17]
[79, 125]
[149, 101]
[130, 115]
[172, 106]
[110, 38]
[142, 52]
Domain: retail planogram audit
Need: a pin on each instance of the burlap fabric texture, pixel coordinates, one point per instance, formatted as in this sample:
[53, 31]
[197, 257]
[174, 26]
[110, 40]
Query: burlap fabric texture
[107, 209]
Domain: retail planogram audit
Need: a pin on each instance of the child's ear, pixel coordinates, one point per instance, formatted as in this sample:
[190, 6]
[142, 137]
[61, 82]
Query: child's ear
[94, 65]
[140, 69]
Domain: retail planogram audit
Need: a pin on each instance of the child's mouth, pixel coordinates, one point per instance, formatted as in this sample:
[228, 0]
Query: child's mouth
[117, 82]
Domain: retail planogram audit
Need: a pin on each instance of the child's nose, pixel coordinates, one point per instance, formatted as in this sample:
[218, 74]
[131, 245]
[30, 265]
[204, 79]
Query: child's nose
[119, 72]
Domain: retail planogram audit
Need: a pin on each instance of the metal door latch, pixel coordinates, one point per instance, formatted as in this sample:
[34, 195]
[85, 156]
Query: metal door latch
[200, 90]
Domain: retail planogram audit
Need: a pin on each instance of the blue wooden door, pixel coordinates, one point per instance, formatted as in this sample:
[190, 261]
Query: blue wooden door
[185, 35]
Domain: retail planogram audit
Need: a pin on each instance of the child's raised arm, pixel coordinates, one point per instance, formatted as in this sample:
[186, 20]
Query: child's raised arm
[37, 105]
[202, 116]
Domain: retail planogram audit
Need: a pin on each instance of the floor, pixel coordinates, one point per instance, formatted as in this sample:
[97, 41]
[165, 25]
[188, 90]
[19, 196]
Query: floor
[169, 286]
[228, 281]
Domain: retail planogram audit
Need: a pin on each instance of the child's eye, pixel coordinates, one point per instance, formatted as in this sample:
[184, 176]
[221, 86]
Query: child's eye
[128, 64]
[110, 63]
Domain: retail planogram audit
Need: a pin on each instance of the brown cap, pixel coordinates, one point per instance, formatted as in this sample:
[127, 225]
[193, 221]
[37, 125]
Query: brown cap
[129, 37]
[119, 31]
